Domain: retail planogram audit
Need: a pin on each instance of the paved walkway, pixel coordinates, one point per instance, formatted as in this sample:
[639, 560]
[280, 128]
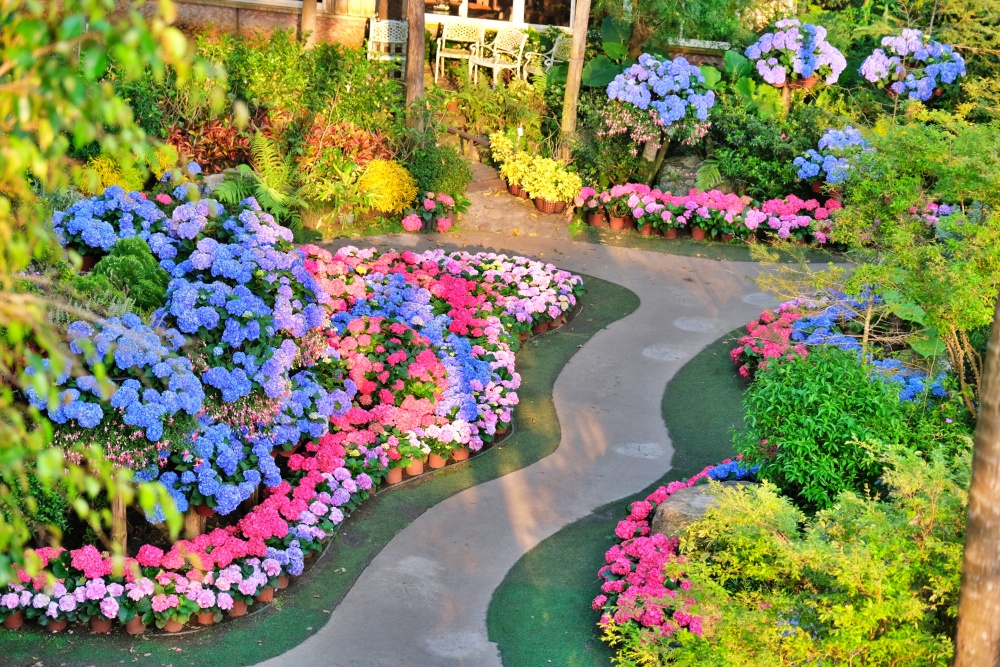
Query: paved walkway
[423, 600]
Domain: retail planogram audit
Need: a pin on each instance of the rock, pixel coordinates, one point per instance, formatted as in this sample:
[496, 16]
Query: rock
[212, 181]
[685, 506]
[679, 174]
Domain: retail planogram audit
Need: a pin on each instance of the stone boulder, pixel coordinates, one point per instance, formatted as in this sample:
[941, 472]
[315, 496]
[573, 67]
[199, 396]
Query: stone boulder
[685, 506]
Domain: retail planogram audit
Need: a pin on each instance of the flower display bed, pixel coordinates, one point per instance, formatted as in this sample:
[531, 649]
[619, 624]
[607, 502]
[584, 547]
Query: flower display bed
[643, 581]
[351, 365]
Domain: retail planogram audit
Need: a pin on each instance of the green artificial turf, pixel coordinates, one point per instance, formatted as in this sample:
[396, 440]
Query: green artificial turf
[736, 252]
[541, 612]
[302, 609]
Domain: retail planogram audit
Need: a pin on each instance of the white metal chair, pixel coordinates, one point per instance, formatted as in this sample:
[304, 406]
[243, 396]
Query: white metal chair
[457, 41]
[506, 51]
[536, 63]
[387, 41]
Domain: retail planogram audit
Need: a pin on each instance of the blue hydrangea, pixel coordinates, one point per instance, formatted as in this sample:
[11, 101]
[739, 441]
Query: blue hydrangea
[672, 88]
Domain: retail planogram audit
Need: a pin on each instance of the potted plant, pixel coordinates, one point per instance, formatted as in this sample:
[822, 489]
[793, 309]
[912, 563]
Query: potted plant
[436, 212]
[918, 67]
[616, 204]
[551, 184]
[590, 206]
[795, 56]
[136, 610]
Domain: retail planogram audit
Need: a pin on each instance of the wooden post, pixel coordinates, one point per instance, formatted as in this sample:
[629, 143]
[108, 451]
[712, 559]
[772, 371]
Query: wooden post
[194, 525]
[415, 51]
[575, 75]
[309, 21]
[383, 10]
[119, 527]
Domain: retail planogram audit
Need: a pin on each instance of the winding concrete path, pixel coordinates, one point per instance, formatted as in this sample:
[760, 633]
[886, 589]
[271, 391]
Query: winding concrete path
[423, 600]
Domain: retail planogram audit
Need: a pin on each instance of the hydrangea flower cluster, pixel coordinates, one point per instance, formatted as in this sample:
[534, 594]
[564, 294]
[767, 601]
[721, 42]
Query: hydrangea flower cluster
[795, 52]
[151, 384]
[917, 66]
[793, 217]
[644, 588]
[795, 326]
[673, 89]
[838, 150]
[717, 212]
[94, 225]
[435, 212]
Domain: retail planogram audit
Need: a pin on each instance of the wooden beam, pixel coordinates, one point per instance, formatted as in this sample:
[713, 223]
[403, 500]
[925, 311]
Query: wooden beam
[415, 52]
[575, 75]
[309, 21]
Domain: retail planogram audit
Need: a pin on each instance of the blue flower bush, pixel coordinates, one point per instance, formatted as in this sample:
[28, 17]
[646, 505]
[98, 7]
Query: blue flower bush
[832, 314]
[917, 66]
[835, 157]
[96, 224]
[150, 389]
[674, 89]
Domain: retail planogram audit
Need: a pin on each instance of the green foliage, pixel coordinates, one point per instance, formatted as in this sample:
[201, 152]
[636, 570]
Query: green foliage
[866, 581]
[805, 417]
[440, 169]
[131, 268]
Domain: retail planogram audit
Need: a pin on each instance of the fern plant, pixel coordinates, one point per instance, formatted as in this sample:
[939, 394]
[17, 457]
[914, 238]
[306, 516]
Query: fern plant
[708, 175]
[271, 181]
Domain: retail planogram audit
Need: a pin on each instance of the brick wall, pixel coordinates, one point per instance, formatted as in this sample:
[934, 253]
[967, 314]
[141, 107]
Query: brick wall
[343, 21]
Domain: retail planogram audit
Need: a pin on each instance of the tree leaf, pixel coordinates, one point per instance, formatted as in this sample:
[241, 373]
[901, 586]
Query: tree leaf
[615, 50]
[736, 65]
[600, 72]
[927, 343]
[615, 30]
[712, 76]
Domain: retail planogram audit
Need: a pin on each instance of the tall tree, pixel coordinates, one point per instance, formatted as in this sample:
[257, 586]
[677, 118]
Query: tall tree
[574, 76]
[977, 642]
[415, 52]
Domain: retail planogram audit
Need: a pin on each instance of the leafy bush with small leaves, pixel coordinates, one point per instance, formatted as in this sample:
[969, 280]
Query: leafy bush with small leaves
[391, 187]
[103, 172]
[440, 169]
[866, 581]
[131, 268]
[804, 419]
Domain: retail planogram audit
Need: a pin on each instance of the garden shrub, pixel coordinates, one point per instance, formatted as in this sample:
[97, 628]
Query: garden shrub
[103, 172]
[863, 582]
[805, 417]
[390, 186]
[439, 169]
[131, 268]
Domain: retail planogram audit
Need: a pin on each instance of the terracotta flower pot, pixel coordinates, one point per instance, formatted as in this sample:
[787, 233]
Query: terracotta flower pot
[100, 625]
[57, 626]
[287, 453]
[173, 625]
[283, 580]
[806, 83]
[646, 230]
[435, 462]
[206, 617]
[395, 476]
[89, 262]
[514, 189]
[204, 510]
[617, 224]
[726, 238]
[135, 626]
[265, 595]
[697, 233]
[239, 608]
[524, 335]
[14, 621]
[596, 219]
[415, 468]
[629, 222]
[460, 454]
[540, 327]
[670, 233]
[816, 186]
[453, 106]
[549, 207]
